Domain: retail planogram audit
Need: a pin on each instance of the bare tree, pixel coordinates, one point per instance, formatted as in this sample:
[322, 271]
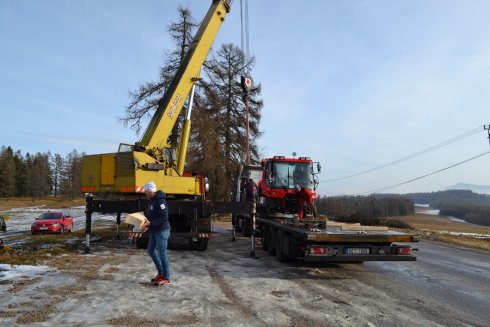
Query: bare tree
[57, 163]
[144, 101]
[217, 141]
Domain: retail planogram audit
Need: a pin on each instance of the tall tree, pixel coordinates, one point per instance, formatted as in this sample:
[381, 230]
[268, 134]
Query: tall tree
[7, 172]
[144, 101]
[38, 175]
[217, 142]
[20, 174]
[224, 97]
[57, 163]
[71, 176]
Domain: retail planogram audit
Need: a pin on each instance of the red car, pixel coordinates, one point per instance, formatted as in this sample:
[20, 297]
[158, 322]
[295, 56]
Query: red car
[52, 223]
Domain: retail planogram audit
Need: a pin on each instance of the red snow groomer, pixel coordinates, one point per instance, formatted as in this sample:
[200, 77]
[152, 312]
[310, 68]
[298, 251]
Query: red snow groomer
[288, 186]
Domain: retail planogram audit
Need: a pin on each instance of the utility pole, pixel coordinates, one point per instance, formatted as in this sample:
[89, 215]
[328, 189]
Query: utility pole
[246, 83]
[487, 128]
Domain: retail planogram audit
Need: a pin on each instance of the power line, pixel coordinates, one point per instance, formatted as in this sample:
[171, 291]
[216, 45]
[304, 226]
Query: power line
[414, 179]
[411, 156]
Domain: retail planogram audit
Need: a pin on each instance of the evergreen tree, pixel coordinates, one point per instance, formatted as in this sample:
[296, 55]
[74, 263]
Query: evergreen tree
[38, 175]
[226, 110]
[71, 175]
[20, 174]
[7, 172]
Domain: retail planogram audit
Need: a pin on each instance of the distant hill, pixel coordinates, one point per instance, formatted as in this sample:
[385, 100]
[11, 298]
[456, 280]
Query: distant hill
[482, 189]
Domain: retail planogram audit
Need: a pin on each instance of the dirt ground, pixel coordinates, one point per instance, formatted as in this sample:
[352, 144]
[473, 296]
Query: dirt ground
[222, 286]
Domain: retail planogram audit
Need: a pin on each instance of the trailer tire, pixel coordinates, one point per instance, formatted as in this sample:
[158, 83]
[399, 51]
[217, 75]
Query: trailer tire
[142, 243]
[271, 235]
[202, 245]
[280, 254]
[247, 227]
[263, 237]
[236, 223]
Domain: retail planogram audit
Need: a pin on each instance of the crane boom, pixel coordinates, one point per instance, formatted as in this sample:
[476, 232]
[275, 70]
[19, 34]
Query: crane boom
[170, 106]
[153, 158]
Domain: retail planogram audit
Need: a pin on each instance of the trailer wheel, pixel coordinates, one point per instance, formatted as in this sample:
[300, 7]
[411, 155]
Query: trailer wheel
[247, 227]
[281, 255]
[142, 242]
[202, 245]
[271, 234]
[236, 223]
[264, 236]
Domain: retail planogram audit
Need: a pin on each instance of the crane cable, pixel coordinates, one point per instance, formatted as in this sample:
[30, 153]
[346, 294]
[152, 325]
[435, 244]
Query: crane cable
[420, 177]
[245, 35]
[411, 156]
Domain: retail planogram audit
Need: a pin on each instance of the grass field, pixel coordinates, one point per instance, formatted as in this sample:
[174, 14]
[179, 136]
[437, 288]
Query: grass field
[442, 229]
[50, 202]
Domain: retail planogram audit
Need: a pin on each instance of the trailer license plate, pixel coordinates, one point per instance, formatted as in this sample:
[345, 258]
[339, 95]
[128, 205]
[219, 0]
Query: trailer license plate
[356, 250]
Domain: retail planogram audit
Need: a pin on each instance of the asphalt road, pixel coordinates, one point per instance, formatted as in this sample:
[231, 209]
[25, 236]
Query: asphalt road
[447, 284]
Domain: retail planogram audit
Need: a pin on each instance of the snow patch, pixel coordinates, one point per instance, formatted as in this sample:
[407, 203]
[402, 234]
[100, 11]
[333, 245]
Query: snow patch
[9, 272]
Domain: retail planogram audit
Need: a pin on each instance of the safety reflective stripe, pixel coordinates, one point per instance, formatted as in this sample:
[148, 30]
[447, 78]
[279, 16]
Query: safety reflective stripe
[131, 189]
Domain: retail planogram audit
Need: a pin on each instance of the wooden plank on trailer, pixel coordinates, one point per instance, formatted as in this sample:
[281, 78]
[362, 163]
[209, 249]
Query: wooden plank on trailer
[354, 228]
[337, 224]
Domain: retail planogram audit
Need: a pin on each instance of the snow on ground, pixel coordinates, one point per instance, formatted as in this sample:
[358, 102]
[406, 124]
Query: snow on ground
[435, 212]
[8, 272]
[20, 219]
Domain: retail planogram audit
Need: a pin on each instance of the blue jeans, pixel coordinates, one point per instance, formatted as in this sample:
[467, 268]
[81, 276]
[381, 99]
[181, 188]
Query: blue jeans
[157, 250]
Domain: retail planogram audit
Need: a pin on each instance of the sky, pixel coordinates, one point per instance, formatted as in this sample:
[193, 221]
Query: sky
[354, 85]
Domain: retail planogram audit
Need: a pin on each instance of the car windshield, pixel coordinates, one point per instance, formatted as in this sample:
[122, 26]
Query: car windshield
[286, 174]
[51, 215]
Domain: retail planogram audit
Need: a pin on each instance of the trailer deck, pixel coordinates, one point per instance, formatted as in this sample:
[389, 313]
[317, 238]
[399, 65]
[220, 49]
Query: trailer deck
[322, 240]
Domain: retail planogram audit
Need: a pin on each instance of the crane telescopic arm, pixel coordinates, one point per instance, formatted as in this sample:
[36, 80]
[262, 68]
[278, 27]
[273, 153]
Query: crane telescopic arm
[169, 107]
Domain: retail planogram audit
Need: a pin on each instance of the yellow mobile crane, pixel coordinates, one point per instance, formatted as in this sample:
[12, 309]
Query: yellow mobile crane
[114, 182]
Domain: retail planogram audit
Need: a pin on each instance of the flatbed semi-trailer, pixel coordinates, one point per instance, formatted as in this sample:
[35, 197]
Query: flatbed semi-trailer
[287, 237]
